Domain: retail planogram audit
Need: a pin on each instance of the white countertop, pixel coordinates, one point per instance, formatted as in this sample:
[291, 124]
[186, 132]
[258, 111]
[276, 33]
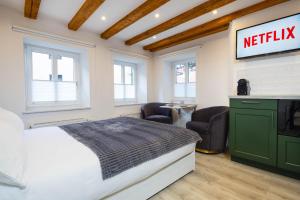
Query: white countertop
[266, 97]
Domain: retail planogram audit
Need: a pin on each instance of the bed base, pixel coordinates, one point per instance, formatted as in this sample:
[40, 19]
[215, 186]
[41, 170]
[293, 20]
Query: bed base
[158, 181]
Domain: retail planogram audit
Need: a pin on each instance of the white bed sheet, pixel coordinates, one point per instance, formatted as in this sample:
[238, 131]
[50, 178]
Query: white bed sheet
[61, 168]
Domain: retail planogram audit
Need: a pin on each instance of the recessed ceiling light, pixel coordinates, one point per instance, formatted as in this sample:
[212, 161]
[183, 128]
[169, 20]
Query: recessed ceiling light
[156, 15]
[154, 37]
[103, 18]
[215, 12]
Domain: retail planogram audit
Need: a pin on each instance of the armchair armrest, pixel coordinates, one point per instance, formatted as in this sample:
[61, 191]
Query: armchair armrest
[142, 114]
[218, 127]
[218, 118]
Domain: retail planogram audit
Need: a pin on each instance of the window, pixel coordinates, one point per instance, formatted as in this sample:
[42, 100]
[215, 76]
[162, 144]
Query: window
[52, 77]
[185, 79]
[124, 81]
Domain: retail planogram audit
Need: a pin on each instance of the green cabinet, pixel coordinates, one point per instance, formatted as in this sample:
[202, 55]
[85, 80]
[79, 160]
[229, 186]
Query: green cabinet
[253, 137]
[253, 130]
[289, 153]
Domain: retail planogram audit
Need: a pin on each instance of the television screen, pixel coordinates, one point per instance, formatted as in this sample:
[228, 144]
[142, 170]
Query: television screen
[281, 35]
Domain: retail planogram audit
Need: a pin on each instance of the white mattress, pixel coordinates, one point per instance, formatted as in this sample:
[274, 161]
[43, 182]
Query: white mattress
[61, 168]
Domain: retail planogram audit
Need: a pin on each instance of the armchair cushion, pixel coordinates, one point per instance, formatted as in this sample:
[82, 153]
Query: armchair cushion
[199, 127]
[164, 111]
[159, 118]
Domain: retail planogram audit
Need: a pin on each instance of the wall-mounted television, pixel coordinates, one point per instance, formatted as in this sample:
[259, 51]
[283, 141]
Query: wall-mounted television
[277, 36]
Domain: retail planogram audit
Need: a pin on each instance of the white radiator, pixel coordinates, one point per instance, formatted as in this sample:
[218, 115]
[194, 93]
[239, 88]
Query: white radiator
[58, 123]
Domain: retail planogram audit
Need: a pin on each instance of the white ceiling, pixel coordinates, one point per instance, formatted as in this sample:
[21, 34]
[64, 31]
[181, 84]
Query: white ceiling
[64, 10]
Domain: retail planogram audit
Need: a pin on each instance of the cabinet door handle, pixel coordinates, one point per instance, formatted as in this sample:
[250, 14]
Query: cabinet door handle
[251, 102]
[273, 123]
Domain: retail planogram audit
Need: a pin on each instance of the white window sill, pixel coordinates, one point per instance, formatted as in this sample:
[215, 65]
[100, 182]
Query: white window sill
[124, 104]
[55, 109]
[185, 100]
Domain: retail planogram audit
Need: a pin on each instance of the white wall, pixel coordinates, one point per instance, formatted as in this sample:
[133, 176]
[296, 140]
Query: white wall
[213, 73]
[12, 81]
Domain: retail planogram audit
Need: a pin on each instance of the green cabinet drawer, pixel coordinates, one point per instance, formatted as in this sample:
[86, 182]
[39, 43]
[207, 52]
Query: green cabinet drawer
[289, 153]
[266, 104]
[253, 135]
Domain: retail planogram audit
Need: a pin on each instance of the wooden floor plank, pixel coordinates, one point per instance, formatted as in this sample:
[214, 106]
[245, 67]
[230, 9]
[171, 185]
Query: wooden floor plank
[217, 177]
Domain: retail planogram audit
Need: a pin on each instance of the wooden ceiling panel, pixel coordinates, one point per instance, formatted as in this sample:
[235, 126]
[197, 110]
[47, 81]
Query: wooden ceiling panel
[31, 8]
[180, 19]
[194, 37]
[133, 16]
[85, 11]
[214, 24]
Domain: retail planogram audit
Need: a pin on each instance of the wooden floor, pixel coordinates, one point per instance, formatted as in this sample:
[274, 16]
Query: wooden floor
[216, 177]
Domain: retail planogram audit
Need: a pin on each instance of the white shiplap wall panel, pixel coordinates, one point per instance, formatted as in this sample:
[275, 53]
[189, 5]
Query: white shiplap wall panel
[278, 75]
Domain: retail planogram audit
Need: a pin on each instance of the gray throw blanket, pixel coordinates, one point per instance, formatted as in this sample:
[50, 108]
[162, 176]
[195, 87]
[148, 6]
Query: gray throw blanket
[122, 143]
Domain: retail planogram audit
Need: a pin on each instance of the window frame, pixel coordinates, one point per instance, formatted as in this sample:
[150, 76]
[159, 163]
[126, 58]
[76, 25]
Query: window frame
[186, 78]
[124, 101]
[55, 53]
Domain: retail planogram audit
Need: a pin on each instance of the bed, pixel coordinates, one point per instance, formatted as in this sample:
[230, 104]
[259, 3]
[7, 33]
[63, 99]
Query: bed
[60, 167]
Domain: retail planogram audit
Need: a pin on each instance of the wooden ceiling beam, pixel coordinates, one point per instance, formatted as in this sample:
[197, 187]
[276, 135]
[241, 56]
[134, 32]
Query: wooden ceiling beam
[31, 8]
[195, 12]
[214, 24]
[85, 11]
[194, 37]
[133, 16]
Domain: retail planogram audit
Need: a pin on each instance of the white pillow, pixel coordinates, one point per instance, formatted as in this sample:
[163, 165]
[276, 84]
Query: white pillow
[12, 151]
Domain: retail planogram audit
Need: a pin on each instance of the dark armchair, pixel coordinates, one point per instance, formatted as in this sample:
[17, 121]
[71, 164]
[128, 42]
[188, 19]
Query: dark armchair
[154, 112]
[212, 125]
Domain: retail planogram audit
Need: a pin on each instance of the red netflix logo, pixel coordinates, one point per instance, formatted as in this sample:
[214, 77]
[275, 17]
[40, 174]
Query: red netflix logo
[271, 36]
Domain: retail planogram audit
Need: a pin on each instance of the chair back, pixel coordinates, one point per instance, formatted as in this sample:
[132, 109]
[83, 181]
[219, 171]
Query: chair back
[217, 109]
[206, 113]
[151, 109]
